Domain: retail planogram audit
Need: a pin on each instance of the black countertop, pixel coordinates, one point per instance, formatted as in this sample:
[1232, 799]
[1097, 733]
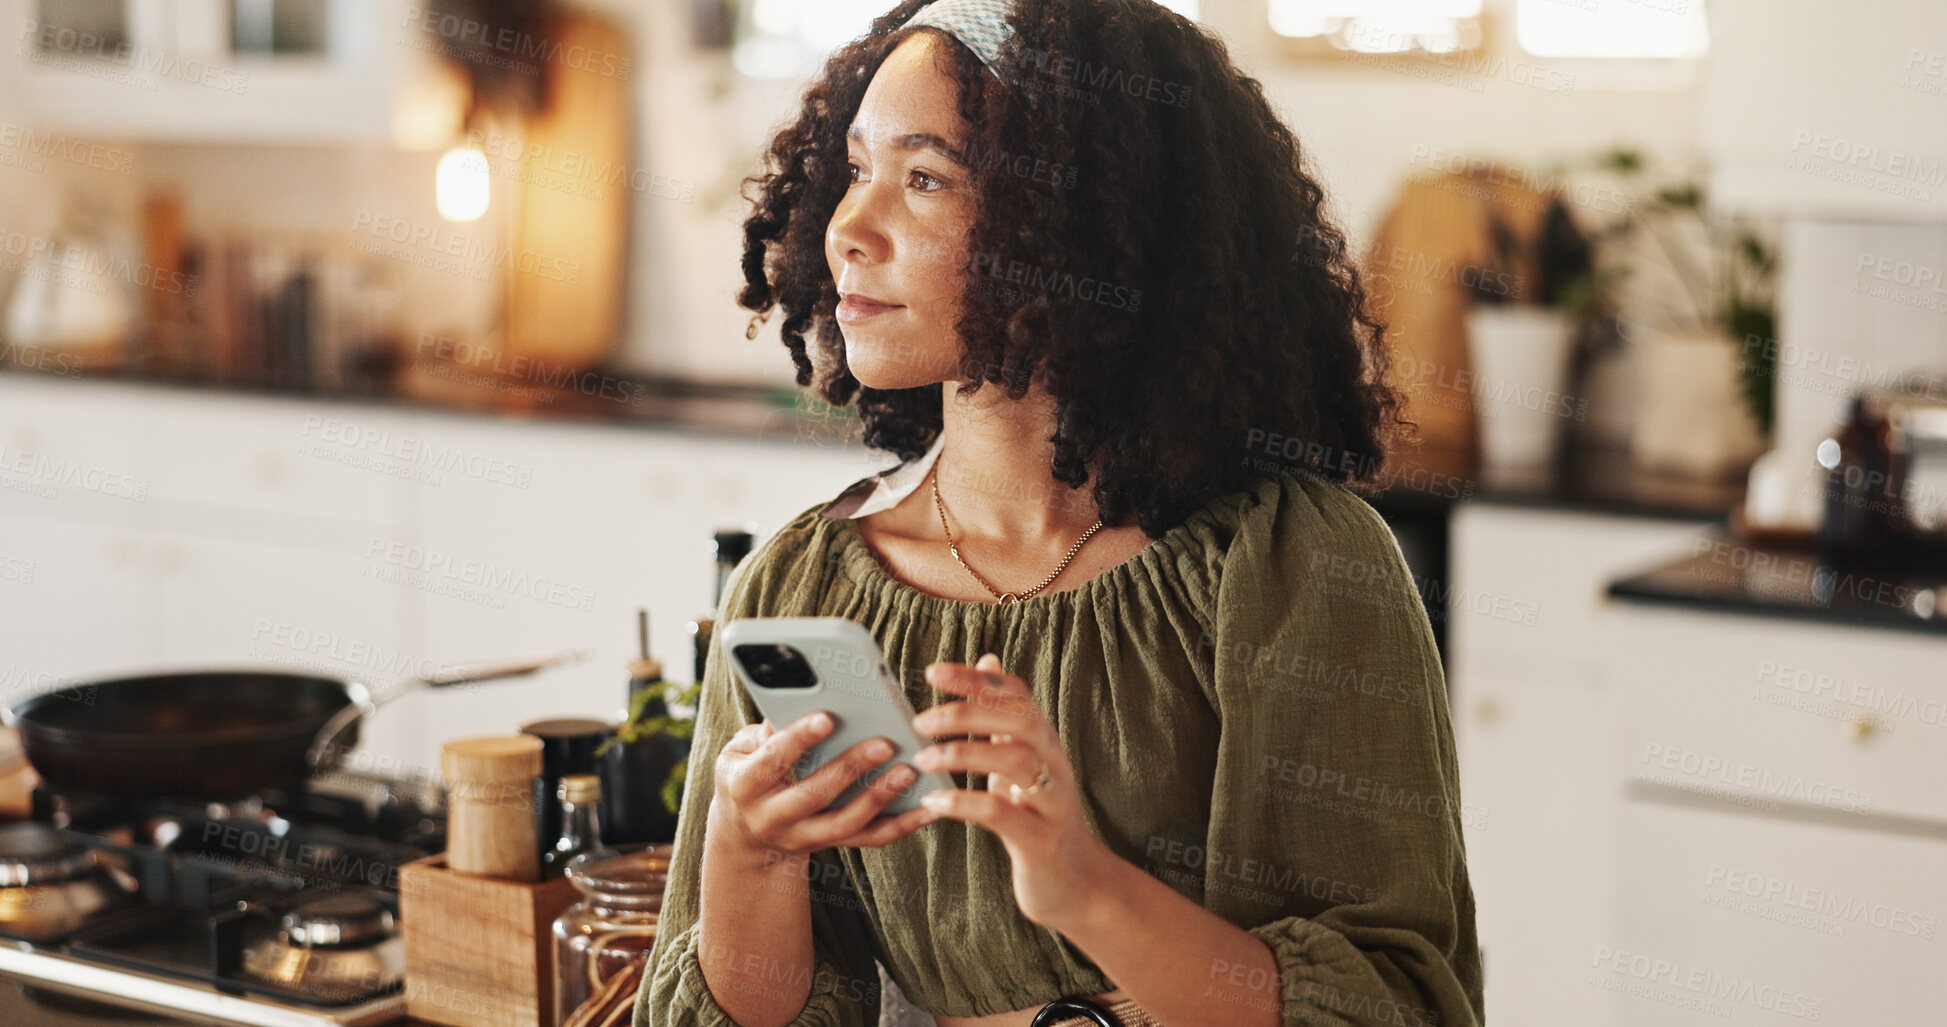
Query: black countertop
[601, 397]
[1586, 478]
[1723, 574]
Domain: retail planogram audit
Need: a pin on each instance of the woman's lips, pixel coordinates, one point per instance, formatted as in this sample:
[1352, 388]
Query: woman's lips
[852, 309]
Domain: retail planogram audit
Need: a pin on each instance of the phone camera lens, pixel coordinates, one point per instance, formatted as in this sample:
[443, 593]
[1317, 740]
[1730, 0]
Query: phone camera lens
[775, 666]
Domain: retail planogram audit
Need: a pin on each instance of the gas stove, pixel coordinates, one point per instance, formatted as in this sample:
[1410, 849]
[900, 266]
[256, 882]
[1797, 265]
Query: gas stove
[273, 909]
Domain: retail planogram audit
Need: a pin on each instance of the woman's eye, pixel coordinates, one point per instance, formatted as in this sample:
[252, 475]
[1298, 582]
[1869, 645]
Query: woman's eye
[850, 169]
[918, 174]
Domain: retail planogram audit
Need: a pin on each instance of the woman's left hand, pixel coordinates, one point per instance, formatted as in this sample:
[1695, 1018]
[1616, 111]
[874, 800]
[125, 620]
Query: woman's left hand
[1057, 859]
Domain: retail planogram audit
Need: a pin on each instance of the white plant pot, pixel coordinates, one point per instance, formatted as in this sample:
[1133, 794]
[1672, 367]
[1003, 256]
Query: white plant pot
[1694, 420]
[1520, 365]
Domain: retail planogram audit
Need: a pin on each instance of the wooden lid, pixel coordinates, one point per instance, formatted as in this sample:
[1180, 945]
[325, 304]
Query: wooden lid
[491, 758]
[645, 669]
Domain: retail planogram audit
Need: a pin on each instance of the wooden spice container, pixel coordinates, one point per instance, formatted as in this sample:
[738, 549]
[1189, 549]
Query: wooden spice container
[476, 919]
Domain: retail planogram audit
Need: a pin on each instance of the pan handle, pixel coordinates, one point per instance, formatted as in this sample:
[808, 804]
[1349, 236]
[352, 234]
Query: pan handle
[320, 751]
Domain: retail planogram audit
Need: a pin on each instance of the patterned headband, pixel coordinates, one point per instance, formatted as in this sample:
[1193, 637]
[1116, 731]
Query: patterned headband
[979, 24]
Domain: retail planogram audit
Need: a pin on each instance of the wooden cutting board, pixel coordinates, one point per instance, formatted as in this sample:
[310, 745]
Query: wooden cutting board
[1415, 270]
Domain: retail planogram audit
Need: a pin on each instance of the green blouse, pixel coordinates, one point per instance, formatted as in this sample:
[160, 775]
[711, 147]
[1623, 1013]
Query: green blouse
[1256, 715]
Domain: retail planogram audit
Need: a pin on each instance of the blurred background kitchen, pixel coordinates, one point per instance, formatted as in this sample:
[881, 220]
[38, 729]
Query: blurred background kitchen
[377, 341]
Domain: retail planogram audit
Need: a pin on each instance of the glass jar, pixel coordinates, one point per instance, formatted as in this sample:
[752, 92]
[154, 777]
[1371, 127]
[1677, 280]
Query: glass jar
[602, 943]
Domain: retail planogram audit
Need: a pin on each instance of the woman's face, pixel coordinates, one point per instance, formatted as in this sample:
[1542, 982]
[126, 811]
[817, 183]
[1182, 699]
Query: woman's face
[899, 235]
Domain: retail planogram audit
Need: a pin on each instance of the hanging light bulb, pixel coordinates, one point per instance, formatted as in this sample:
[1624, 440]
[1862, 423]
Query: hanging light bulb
[460, 184]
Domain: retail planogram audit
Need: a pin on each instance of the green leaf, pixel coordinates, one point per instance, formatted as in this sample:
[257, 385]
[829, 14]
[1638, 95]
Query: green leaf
[672, 791]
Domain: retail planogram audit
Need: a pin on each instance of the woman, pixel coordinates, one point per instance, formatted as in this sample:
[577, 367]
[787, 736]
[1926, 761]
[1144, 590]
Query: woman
[1194, 713]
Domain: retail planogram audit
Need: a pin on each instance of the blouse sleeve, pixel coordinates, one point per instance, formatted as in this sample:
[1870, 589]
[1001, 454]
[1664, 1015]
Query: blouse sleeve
[1335, 825]
[845, 981]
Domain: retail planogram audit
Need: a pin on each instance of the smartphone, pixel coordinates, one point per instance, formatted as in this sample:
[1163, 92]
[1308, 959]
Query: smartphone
[794, 666]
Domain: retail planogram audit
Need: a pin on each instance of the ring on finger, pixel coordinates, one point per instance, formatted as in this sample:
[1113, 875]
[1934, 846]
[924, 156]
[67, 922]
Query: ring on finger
[1042, 780]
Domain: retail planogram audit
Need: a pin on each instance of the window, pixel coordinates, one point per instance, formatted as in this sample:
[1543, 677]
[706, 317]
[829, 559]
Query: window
[1380, 26]
[792, 38]
[1612, 28]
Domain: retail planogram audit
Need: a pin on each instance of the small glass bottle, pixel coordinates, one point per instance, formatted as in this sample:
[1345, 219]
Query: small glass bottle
[602, 943]
[581, 829]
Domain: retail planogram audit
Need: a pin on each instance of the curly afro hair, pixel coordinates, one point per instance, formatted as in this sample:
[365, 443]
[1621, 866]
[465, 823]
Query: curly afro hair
[1179, 184]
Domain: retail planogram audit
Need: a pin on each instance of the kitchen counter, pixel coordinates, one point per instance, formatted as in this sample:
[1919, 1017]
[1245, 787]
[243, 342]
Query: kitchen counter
[1723, 574]
[593, 397]
[1588, 478]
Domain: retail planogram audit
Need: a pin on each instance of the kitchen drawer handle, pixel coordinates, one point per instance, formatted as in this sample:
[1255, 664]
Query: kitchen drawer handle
[1656, 794]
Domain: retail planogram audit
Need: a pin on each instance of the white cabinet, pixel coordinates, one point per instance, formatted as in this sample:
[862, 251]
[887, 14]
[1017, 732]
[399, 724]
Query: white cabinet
[1687, 816]
[581, 528]
[206, 70]
[370, 541]
[78, 600]
[1533, 701]
[1729, 917]
[1787, 820]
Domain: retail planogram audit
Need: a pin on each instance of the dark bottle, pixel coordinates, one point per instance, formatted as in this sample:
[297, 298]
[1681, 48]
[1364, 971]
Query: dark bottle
[633, 772]
[732, 546]
[568, 746]
[1858, 510]
[581, 827]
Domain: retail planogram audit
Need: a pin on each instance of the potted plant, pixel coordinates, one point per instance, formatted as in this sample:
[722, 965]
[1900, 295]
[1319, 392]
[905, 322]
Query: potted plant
[1704, 292]
[644, 763]
[1522, 332]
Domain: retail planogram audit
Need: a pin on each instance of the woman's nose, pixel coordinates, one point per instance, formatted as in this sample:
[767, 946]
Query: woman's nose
[855, 233]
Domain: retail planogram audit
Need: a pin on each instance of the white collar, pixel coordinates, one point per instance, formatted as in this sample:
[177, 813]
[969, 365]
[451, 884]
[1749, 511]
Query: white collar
[884, 490]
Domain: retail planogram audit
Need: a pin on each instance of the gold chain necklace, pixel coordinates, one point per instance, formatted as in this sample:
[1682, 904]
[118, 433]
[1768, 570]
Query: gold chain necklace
[1001, 598]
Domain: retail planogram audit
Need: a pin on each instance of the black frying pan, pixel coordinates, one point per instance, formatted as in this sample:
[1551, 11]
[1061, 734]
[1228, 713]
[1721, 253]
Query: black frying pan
[207, 734]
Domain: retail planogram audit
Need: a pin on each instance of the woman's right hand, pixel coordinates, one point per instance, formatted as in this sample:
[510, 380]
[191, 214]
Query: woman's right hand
[775, 814]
